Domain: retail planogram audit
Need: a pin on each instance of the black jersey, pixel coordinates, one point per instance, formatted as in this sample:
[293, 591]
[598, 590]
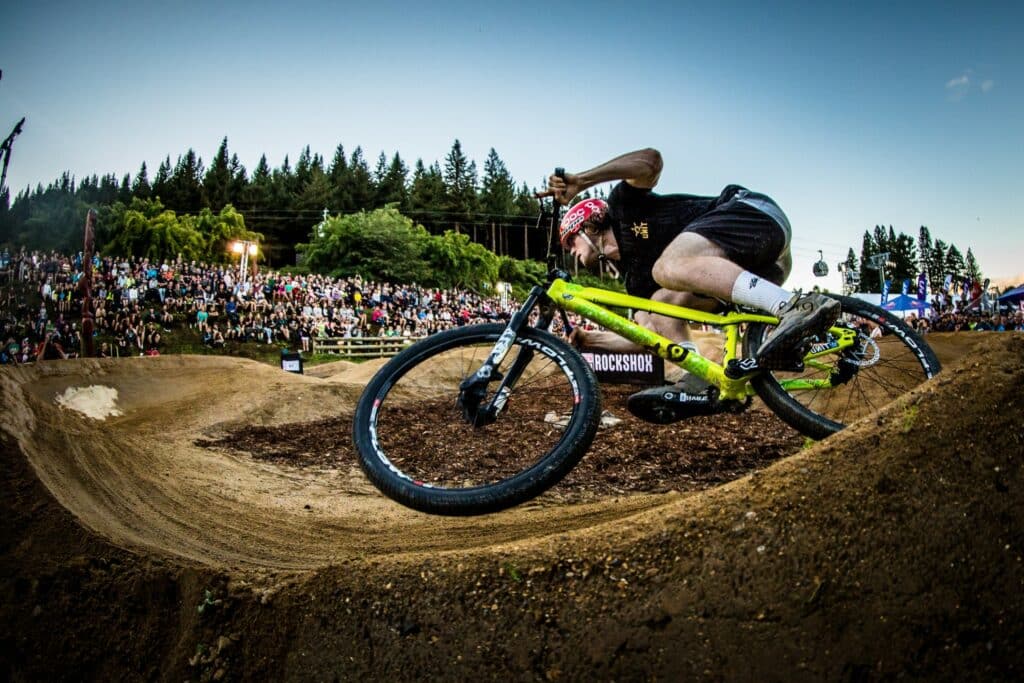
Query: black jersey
[644, 223]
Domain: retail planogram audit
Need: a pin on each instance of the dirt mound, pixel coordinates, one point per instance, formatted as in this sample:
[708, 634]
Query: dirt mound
[131, 549]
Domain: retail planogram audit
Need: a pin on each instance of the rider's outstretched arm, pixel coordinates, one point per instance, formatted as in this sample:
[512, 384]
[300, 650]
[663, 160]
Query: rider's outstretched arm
[641, 168]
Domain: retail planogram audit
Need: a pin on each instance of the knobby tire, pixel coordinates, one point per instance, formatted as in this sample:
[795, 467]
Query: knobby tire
[408, 413]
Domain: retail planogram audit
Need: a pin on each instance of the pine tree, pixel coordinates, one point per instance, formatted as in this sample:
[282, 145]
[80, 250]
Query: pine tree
[392, 187]
[303, 170]
[460, 184]
[903, 255]
[338, 177]
[217, 181]
[316, 194]
[937, 264]
[426, 193]
[955, 263]
[140, 186]
[124, 194]
[162, 180]
[972, 267]
[881, 238]
[498, 193]
[184, 192]
[380, 170]
[360, 186]
[526, 202]
[239, 183]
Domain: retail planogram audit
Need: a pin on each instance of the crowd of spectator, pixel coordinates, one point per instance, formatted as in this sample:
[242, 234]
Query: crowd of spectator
[138, 302]
[968, 321]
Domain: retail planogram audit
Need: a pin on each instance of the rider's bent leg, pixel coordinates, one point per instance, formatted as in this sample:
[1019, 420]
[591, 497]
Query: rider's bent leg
[694, 263]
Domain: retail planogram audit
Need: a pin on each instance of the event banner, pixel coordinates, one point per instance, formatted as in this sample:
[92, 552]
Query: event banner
[922, 287]
[626, 368]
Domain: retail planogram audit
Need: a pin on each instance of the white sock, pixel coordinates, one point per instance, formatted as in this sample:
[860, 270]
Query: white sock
[756, 292]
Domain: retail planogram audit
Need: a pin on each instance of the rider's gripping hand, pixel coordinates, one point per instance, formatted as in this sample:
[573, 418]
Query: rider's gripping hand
[563, 189]
[578, 337]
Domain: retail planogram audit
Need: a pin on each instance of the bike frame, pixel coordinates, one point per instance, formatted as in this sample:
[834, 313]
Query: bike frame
[589, 303]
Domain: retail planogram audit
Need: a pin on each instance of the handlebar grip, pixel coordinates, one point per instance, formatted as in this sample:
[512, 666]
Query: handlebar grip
[560, 173]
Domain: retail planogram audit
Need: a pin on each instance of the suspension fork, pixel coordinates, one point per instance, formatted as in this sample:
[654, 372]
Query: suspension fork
[473, 389]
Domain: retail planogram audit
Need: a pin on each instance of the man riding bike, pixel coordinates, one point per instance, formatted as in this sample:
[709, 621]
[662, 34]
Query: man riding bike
[690, 251]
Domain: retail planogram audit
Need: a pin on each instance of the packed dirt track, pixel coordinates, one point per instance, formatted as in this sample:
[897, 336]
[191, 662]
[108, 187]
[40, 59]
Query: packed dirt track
[136, 545]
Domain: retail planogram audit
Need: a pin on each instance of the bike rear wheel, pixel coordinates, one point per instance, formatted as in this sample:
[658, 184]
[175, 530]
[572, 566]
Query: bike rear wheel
[417, 446]
[863, 378]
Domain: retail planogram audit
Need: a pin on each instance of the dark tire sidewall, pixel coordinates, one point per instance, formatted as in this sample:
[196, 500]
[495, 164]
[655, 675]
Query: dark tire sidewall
[543, 474]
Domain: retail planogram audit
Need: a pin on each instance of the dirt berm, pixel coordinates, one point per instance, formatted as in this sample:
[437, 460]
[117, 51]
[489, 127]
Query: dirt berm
[133, 547]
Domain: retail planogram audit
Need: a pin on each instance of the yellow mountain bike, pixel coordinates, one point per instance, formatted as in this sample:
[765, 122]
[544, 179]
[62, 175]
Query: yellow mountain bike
[480, 418]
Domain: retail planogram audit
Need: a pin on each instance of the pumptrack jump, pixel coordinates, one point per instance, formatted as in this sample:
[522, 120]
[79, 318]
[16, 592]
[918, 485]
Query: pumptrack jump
[130, 550]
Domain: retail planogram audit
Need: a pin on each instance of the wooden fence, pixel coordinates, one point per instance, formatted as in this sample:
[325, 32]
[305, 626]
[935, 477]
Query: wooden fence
[362, 347]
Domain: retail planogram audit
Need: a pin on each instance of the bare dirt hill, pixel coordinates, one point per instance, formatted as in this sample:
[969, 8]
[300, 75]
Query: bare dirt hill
[140, 545]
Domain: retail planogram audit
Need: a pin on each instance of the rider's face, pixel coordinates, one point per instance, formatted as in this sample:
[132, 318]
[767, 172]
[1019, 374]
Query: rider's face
[584, 250]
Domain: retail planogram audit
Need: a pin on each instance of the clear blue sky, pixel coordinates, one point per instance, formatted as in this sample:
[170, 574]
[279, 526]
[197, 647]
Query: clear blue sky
[848, 114]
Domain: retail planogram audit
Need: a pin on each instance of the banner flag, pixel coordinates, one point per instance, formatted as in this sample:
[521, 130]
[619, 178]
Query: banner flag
[922, 287]
[906, 287]
[947, 283]
[885, 291]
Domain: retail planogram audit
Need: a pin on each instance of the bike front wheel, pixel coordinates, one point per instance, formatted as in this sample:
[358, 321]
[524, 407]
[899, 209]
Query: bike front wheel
[416, 443]
[838, 388]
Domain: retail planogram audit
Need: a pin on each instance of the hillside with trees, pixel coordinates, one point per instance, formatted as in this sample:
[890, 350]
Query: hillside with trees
[282, 205]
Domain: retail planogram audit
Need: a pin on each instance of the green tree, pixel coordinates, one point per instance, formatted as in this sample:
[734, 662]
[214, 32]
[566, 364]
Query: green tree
[304, 170]
[316, 193]
[217, 181]
[460, 184]
[381, 244]
[161, 183]
[426, 192]
[239, 183]
[903, 254]
[360, 187]
[338, 176]
[124, 193]
[498, 191]
[881, 237]
[936, 260]
[220, 229]
[140, 186]
[526, 203]
[392, 185]
[972, 268]
[147, 229]
[955, 263]
[455, 261]
[521, 274]
[184, 189]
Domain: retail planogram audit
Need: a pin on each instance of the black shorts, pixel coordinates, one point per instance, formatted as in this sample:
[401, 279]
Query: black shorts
[750, 238]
